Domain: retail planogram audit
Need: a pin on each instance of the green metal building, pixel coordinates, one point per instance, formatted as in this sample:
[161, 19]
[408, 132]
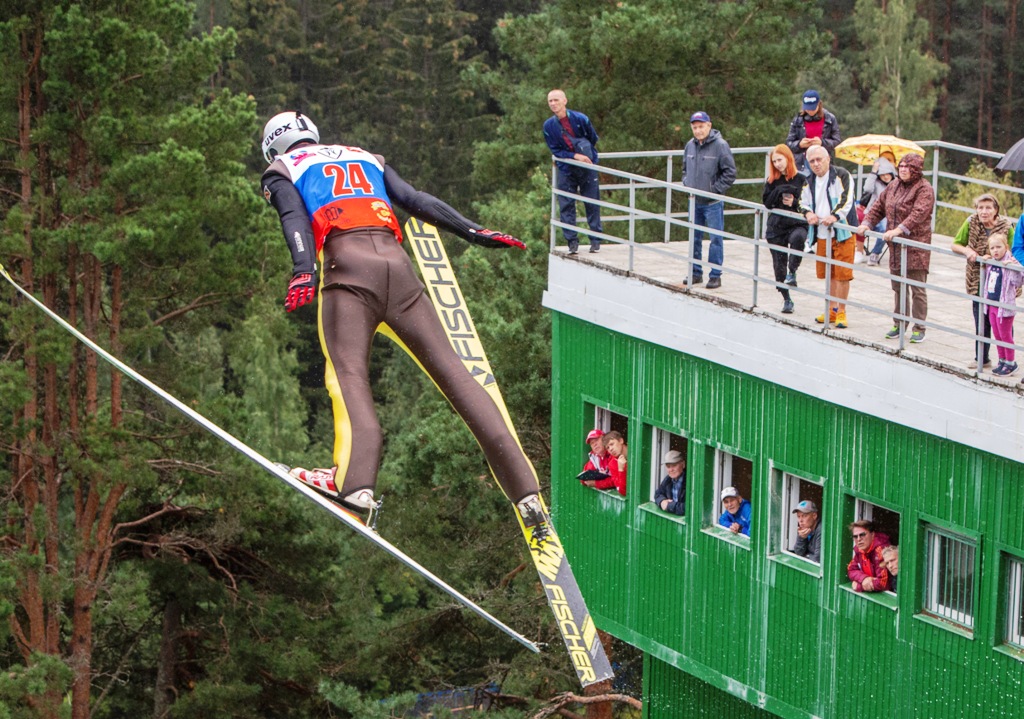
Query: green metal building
[738, 627]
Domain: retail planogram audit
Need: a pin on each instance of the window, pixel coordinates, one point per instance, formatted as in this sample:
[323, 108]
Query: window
[730, 471]
[662, 443]
[1014, 602]
[606, 421]
[794, 491]
[949, 576]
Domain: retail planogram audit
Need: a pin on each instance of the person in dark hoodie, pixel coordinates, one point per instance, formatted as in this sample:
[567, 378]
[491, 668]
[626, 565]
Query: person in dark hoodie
[708, 165]
[813, 125]
[907, 205]
[782, 191]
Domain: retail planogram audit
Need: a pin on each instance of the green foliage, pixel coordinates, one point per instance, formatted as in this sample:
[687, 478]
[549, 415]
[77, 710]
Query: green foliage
[949, 220]
[669, 58]
[900, 75]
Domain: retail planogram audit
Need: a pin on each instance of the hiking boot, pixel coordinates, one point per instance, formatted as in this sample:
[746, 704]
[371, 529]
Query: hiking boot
[714, 283]
[787, 307]
[841, 321]
[697, 280]
[893, 333]
[791, 279]
[594, 250]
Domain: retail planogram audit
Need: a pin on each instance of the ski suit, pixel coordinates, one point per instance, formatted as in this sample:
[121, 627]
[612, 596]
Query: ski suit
[337, 201]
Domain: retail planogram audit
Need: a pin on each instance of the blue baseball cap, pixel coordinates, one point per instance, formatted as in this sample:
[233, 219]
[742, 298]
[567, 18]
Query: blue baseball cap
[806, 507]
[700, 116]
[811, 100]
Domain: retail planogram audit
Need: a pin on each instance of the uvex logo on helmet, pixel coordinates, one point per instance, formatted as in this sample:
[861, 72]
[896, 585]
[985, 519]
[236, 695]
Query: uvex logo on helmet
[285, 130]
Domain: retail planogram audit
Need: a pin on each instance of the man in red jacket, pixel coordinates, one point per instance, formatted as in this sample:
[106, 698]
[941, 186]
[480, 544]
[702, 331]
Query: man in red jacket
[866, 570]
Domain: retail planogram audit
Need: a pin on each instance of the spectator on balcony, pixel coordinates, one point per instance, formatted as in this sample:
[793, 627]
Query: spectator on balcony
[708, 165]
[599, 459]
[782, 191]
[808, 531]
[671, 494]
[891, 562]
[736, 514]
[615, 446]
[907, 205]
[571, 136]
[883, 171]
[866, 571]
[1002, 280]
[814, 126]
[826, 200]
[971, 241]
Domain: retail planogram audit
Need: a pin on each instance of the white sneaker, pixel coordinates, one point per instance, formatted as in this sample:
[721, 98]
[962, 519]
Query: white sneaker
[859, 258]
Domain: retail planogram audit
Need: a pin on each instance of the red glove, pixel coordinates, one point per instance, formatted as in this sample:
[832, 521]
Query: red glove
[301, 291]
[492, 239]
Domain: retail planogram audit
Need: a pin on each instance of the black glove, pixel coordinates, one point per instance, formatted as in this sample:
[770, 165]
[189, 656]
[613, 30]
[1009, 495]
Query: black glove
[492, 239]
[301, 291]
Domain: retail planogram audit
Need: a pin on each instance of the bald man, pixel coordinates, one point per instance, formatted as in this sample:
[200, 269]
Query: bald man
[571, 136]
[826, 200]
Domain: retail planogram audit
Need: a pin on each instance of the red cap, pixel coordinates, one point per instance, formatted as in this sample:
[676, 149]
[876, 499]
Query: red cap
[594, 434]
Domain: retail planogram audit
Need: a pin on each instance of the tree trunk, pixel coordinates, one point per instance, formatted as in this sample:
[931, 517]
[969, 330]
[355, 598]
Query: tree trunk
[602, 710]
[166, 661]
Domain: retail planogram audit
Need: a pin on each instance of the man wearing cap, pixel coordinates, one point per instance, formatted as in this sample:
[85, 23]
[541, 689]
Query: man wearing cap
[671, 494]
[813, 126]
[571, 136]
[736, 517]
[708, 165]
[808, 531]
[599, 458]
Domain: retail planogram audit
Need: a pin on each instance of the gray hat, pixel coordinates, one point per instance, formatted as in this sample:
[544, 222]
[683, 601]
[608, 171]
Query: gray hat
[806, 507]
[729, 492]
[673, 456]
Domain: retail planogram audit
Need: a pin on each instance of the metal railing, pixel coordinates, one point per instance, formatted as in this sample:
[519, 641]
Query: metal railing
[634, 187]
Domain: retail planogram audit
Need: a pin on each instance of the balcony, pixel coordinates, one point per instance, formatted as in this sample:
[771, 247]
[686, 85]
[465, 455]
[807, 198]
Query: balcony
[633, 286]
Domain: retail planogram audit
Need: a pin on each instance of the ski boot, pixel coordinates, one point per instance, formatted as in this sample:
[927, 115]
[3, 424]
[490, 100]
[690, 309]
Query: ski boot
[359, 505]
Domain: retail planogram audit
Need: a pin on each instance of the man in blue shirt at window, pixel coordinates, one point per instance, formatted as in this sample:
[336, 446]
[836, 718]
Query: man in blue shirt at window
[671, 494]
[736, 517]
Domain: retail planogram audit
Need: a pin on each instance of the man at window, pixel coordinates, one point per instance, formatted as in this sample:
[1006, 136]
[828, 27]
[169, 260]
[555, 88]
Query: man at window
[736, 517]
[808, 531]
[671, 494]
[866, 570]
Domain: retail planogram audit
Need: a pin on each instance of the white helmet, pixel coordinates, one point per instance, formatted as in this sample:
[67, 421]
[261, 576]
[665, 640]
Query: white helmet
[284, 130]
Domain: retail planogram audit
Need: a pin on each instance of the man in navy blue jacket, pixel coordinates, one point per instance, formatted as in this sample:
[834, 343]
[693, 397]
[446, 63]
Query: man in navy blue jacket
[571, 136]
[671, 494]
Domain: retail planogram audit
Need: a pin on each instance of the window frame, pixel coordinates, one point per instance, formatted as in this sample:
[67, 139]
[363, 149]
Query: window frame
[717, 484]
[933, 533]
[1013, 623]
[661, 442]
[789, 493]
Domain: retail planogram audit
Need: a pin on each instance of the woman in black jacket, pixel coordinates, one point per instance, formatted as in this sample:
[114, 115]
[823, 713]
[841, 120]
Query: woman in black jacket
[782, 192]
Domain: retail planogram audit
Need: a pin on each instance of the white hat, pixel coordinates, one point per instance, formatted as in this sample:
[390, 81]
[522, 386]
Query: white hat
[730, 492]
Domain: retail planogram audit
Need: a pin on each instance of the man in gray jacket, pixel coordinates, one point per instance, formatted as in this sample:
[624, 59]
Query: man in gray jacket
[708, 165]
[808, 531]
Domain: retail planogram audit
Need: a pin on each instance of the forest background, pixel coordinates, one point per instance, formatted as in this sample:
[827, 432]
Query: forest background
[145, 570]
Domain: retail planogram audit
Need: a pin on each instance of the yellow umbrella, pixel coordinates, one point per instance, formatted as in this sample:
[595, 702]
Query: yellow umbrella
[865, 149]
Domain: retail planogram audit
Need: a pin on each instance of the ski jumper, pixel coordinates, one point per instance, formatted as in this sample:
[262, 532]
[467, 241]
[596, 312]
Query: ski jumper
[338, 201]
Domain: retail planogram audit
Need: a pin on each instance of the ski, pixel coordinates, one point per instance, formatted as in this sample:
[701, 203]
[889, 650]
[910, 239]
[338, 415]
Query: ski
[563, 593]
[276, 470]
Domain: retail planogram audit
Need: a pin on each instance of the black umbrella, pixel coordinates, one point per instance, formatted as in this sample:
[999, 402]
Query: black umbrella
[1014, 158]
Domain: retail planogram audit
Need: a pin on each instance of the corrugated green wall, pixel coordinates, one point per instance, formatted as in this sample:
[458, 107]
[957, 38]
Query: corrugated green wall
[737, 617]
